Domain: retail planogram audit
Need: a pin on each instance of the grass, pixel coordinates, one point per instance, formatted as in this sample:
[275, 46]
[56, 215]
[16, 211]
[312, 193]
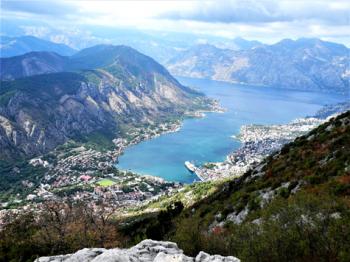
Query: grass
[106, 182]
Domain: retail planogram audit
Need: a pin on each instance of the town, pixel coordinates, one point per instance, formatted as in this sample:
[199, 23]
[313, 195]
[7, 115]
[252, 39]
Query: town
[258, 141]
[74, 172]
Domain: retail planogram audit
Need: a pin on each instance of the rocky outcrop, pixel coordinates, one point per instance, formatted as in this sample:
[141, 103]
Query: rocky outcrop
[145, 251]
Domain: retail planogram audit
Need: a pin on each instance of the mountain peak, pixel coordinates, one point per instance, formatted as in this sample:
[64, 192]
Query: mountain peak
[99, 56]
[246, 44]
[107, 55]
[307, 42]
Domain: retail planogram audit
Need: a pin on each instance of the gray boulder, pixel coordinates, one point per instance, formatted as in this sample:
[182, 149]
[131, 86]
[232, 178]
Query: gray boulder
[145, 251]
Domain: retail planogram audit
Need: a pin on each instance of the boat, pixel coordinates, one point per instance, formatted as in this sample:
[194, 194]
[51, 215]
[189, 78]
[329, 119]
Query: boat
[190, 166]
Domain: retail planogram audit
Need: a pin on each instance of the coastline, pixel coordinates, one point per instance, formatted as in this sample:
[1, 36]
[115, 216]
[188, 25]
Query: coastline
[76, 171]
[124, 144]
[81, 168]
[63, 182]
[259, 141]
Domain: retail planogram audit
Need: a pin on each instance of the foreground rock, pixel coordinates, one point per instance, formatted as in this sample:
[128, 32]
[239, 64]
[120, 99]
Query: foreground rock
[145, 251]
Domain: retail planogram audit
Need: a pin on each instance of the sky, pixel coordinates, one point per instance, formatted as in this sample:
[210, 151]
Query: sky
[265, 20]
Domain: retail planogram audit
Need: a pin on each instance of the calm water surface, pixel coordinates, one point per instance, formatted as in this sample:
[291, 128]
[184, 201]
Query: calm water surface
[209, 138]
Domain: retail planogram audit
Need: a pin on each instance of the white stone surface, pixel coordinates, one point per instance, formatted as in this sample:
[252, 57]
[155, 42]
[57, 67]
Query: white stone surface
[145, 251]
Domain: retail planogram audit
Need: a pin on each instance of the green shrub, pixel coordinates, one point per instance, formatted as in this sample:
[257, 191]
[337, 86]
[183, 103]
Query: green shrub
[283, 192]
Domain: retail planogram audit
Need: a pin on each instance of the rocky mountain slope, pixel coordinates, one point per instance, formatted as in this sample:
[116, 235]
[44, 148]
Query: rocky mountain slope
[14, 46]
[293, 206]
[306, 64]
[145, 251]
[111, 86]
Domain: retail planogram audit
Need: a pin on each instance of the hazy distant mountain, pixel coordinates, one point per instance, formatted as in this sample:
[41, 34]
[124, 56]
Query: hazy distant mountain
[33, 63]
[238, 43]
[118, 87]
[36, 63]
[164, 45]
[14, 46]
[307, 64]
[201, 61]
[160, 45]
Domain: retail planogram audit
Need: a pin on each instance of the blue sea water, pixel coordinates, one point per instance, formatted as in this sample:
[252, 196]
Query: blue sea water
[209, 139]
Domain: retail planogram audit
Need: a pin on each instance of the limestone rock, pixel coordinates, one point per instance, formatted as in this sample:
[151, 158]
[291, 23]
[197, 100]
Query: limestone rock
[145, 251]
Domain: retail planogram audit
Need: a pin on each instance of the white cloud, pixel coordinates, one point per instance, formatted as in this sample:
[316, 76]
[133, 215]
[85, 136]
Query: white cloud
[265, 20]
[255, 11]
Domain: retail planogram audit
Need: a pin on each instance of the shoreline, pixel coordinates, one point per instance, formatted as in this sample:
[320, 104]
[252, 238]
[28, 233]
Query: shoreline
[259, 141]
[175, 127]
[63, 175]
[77, 166]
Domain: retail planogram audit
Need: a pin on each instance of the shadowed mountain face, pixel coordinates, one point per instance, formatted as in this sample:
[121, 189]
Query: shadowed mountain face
[305, 64]
[118, 86]
[14, 46]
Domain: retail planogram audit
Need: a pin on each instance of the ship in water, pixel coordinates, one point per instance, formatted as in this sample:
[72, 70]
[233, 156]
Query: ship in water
[190, 166]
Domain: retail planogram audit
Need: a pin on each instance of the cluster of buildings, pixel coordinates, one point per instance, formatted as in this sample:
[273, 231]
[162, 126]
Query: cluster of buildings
[78, 173]
[258, 141]
[75, 173]
[137, 135]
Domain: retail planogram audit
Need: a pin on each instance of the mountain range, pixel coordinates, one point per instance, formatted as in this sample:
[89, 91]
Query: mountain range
[36, 63]
[99, 89]
[13, 46]
[305, 64]
[161, 46]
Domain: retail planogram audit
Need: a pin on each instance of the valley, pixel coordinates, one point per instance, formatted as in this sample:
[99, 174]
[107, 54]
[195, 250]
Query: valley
[112, 133]
[65, 120]
[250, 203]
[180, 131]
[77, 171]
[87, 171]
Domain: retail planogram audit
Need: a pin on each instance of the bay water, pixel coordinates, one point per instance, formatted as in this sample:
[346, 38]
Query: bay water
[209, 139]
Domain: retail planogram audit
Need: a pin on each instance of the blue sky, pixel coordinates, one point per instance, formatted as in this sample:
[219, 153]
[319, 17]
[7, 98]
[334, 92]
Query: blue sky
[267, 21]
